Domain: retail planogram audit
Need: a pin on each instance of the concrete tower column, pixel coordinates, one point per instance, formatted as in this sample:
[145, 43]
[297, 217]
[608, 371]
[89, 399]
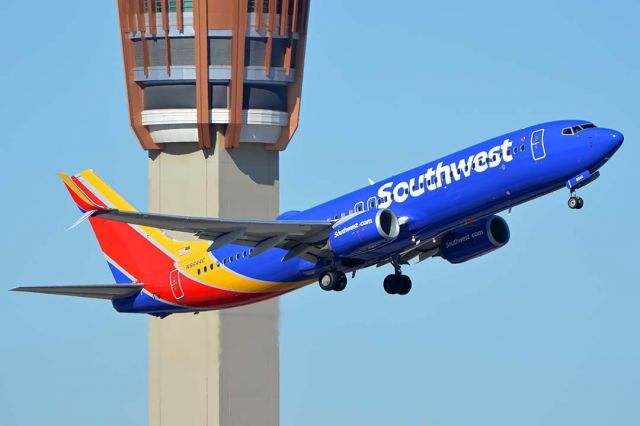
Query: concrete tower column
[215, 368]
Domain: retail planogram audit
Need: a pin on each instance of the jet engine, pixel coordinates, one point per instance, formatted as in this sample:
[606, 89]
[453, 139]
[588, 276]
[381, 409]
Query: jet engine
[364, 231]
[471, 241]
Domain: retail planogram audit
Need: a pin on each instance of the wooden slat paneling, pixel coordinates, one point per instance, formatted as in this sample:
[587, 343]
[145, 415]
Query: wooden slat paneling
[287, 56]
[270, 29]
[259, 6]
[151, 7]
[201, 29]
[295, 90]
[179, 17]
[267, 54]
[165, 16]
[284, 17]
[221, 14]
[272, 15]
[303, 18]
[232, 135]
[294, 17]
[142, 26]
[165, 28]
[134, 91]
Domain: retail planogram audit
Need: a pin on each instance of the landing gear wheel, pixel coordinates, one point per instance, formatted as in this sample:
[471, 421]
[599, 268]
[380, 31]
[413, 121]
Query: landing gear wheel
[574, 202]
[327, 280]
[391, 284]
[580, 203]
[332, 280]
[404, 286]
[341, 281]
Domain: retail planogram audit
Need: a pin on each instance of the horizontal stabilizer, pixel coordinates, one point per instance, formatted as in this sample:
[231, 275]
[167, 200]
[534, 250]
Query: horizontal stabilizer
[109, 291]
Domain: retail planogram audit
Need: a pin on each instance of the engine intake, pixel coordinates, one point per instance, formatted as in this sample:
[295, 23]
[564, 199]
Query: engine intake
[364, 231]
[478, 239]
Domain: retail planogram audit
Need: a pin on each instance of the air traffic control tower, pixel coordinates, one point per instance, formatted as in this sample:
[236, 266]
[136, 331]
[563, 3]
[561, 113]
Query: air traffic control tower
[214, 90]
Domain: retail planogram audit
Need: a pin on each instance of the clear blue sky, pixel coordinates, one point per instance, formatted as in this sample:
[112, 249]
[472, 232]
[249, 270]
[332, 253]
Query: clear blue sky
[544, 331]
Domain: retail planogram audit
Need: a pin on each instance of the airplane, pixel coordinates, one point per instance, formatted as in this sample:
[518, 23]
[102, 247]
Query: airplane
[446, 208]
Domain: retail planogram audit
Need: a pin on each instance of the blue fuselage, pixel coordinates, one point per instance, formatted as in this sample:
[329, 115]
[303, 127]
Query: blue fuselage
[468, 185]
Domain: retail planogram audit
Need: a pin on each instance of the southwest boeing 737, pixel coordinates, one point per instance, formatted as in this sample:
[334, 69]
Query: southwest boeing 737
[444, 208]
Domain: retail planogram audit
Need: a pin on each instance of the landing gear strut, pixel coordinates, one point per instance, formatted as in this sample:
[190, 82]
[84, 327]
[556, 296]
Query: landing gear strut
[575, 202]
[397, 283]
[333, 280]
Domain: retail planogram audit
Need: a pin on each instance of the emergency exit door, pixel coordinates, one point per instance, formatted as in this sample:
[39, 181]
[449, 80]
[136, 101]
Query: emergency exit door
[537, 145]
[174, 282]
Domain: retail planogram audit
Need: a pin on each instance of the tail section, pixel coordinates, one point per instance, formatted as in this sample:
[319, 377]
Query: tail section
[134, 253]
[81, 200]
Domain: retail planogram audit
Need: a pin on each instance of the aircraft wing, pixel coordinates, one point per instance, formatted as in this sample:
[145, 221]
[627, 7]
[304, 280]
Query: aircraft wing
[299, 237]
[100, 291]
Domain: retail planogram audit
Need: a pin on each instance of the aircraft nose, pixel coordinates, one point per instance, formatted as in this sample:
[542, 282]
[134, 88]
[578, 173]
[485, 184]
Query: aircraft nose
[610, 141]
[616, 138]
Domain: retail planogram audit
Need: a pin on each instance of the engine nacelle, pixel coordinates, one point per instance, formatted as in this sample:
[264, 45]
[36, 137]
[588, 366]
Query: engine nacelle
[363, 232]
[477, 239]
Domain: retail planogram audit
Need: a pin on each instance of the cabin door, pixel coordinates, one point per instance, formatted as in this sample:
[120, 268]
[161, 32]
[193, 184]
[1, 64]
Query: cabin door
[174, 282]
[537, 145]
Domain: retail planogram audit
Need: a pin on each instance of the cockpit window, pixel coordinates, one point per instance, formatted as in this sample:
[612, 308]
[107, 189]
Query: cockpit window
[576, 129]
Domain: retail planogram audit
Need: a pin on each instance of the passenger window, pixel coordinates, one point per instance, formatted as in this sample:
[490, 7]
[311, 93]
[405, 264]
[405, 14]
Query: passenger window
[521, 147]
[211, 266]
[224, 261]
[198, 271]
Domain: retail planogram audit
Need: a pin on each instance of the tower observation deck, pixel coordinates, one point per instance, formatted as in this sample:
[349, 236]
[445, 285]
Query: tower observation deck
[199, 67]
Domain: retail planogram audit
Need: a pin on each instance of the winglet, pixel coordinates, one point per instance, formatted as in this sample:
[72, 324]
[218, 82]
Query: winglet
[82, 201]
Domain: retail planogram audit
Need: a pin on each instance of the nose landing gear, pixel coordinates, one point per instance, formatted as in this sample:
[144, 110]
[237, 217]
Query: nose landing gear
[575, 202]
[575, 183]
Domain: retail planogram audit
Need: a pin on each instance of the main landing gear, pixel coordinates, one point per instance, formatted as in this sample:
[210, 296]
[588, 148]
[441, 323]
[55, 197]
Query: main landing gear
[397, 283]
[575, 202]
[333, 280]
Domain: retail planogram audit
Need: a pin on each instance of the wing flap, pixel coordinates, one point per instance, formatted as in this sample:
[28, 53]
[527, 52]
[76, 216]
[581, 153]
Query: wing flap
[109, 292]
